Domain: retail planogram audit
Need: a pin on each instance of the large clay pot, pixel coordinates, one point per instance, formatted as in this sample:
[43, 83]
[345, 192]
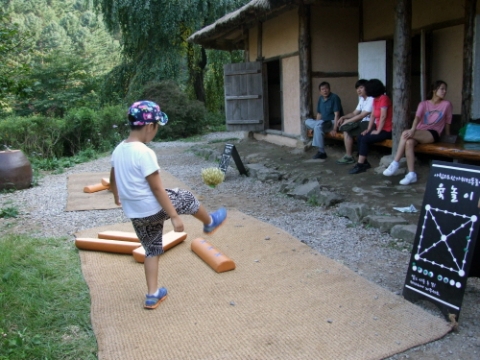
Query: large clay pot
[15, 170]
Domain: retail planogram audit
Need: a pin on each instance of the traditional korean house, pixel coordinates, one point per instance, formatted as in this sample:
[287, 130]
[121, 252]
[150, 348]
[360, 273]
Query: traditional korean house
[292, 45]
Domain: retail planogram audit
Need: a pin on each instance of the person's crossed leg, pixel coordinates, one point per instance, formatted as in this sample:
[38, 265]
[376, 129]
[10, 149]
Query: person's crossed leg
[319, 127]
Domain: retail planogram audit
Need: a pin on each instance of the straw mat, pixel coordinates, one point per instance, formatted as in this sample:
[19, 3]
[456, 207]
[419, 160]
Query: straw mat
[283, 301]
[78, 200]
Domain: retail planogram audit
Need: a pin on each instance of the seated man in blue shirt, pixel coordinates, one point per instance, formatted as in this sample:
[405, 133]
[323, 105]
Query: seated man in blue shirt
[329, 110]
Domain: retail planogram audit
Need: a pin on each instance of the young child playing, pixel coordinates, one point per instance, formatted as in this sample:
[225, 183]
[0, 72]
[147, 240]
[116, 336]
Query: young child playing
[137, 186]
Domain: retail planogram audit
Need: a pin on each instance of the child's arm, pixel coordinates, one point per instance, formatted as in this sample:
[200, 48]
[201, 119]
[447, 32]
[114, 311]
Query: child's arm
[113, 187]
[161, 195]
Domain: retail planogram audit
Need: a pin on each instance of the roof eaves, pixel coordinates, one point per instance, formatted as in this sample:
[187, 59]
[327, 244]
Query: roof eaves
[247, 14]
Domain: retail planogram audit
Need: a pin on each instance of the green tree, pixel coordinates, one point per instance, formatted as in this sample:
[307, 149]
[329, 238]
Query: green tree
[154, 39]
[13, 71]
[60, 81]
[72, 52]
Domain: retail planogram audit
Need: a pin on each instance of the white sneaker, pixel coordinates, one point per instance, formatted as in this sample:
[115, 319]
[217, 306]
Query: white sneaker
[392, 169]
[409, 179]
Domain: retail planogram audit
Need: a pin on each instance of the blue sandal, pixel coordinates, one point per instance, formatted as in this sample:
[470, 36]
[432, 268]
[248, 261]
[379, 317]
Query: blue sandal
[152, 301]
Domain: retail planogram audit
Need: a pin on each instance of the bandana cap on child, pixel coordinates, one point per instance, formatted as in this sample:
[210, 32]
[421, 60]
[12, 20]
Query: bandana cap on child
[146, 112]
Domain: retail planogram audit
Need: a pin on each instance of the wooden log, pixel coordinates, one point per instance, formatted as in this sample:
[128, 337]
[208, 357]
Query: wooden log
[304, 54]
[106, 182]
[468, 51]
[95, 188]
[214, 258]
[139, 254]
[169, 240]
[113, 246]
[259, 41]
[118, 235]
[401, 89]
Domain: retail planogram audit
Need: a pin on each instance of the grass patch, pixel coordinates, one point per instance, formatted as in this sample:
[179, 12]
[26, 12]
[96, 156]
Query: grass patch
[401, 245]
[44, 301]
[8, 212]
[313, 201]
[59, 164]
[353, 225]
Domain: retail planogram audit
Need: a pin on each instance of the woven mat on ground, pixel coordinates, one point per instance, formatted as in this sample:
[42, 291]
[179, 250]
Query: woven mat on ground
[78, 200]
[283, 301]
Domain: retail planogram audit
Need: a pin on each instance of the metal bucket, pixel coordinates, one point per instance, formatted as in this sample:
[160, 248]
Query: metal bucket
[15, 170]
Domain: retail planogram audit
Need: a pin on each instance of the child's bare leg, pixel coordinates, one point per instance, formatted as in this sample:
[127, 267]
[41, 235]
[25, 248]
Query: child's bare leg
[151, 273]
[203, 215]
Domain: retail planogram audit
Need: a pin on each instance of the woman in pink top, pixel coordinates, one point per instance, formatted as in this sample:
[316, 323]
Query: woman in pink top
[432, 117]
[379, 127]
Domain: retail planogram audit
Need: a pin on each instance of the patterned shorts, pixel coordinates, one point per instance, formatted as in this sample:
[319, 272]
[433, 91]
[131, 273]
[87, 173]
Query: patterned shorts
[150, 229]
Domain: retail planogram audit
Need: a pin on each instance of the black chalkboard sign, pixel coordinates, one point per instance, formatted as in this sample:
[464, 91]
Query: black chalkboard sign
[444, 247]
[228, 152]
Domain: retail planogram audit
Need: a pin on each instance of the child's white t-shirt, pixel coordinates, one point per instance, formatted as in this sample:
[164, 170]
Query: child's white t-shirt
[132, 163]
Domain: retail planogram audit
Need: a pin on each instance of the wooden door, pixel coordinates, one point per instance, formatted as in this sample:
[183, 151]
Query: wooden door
[244, 98]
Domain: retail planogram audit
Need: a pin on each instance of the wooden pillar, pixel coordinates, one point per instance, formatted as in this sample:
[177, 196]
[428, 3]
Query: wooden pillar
[470, 12]
[401, 89]
[360, 21]
[423, 67]
[246, 45]
[259, 41]
[304, 51]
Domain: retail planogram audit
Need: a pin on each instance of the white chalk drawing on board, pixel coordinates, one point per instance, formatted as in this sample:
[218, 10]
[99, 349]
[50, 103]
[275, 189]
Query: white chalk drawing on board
[462, 232]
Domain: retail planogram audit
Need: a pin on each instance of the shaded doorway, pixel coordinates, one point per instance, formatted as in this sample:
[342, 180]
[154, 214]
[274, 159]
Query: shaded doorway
[274, 95]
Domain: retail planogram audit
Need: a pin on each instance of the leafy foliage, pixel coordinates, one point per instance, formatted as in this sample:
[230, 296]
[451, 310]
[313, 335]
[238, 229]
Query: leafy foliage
[154, 38]
[215, 101]
[60, 81]
[13, 71]
[80, 129]
[53, 87]
[70, 52]
[185, 117]
[8, 212]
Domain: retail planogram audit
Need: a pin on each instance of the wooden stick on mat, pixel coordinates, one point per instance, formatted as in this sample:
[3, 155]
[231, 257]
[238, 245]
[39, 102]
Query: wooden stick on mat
[95, 188]
[213, 257]
[113, 246]
[118, 235]
[169, 240]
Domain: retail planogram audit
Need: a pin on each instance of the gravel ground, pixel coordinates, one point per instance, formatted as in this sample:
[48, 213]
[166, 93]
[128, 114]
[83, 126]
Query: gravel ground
[373, 255]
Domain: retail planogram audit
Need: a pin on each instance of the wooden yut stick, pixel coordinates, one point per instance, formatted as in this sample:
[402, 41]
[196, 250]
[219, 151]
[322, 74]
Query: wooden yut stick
[169, 240]
[214, 258]
[95, 188]
[118, 235]
[113, 246]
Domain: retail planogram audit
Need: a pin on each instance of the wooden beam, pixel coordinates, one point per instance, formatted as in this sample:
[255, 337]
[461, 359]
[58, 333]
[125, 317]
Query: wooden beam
[401, 87]
[455, 151]
[334, 74]
[283, 56]
[304, 46]
[470, 12]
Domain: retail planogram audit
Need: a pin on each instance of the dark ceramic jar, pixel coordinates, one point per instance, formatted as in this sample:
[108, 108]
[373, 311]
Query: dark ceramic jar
[15, 170]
